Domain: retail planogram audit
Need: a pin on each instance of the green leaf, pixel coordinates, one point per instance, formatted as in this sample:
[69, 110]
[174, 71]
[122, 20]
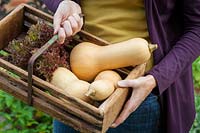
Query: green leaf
[7, 116]
[196, 72]
[22, 122]
[32, 123]
[9, 101]
[11, 131]
[4, 53]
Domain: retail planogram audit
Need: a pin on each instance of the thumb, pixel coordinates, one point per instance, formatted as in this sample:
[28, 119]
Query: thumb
[125, 83]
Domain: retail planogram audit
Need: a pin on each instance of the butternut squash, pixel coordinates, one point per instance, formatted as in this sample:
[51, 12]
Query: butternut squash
[66, 80]
[88, 59]
[104, 85]
[62, 77]
[78, 89]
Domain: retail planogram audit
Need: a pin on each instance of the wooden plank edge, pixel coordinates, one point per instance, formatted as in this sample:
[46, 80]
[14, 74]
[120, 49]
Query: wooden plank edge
[57, 92]
[12, 22]
[54, 101]
[91, 38]
[17, 9]
[38, 13]
[113, 105]
[53, 111]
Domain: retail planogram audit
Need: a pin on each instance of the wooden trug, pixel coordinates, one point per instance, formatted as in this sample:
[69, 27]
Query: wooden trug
[71, 111]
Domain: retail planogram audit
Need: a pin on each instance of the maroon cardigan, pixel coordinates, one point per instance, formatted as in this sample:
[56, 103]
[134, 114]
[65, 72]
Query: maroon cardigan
[175, 26]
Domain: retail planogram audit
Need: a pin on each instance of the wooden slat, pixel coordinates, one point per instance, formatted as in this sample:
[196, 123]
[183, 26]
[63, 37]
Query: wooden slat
[11, 26]
[14, 89]
[55, 91]
[30, 19]
[113, 105]
[55, 101]
[92, 116]
[93, 39]
[38, 13]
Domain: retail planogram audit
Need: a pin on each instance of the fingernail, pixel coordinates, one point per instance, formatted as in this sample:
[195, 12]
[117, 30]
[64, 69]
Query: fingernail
[54, 32]
[120, 83]
[59, 42]
[113, 125]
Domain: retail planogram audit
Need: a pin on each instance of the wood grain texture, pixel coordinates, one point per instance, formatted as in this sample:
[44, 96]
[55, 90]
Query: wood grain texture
[71, 111]
[55, 91]
[14, 89]
[54, 101]
[113, 105]
[11, 26]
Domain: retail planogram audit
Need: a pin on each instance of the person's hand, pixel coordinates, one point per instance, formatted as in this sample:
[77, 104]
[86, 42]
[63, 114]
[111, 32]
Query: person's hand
[67, 20]
[141, 88]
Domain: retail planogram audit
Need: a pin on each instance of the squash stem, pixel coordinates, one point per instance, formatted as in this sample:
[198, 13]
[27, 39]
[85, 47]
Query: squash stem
[152, 47]
[90, 92]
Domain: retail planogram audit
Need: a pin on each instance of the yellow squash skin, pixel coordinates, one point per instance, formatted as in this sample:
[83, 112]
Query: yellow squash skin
[66, 80]
[104, 85]
[88, 59]
[62, 77]
[78, 89]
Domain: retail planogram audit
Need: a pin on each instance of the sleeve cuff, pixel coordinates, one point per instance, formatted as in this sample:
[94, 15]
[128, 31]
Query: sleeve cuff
[160, 87]
[52, 4]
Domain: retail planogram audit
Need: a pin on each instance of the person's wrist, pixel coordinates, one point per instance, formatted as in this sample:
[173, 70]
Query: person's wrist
[66, 1]
[151, 81]
[69, 2]
[74, 7]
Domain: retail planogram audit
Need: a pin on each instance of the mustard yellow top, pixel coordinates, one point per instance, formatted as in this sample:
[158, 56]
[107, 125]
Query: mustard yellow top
[115, 20]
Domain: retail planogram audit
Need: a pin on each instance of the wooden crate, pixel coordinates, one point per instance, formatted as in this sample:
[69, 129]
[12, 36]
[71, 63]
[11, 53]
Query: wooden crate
[71, 111]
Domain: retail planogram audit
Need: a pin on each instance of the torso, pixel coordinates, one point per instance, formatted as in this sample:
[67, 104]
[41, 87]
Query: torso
[115, 20]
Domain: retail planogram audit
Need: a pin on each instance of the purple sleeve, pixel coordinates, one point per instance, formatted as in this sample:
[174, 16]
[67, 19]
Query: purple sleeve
[52, 4]
[185, 51]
